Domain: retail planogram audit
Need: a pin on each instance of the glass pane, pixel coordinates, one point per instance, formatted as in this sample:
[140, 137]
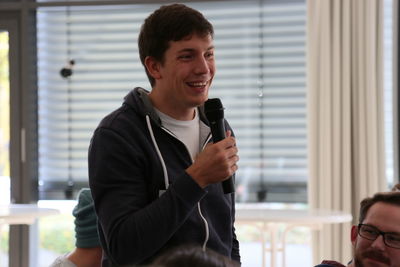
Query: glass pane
[388, 90]
[4, 119]
[4, 140]
[56, 233]
[260, 80]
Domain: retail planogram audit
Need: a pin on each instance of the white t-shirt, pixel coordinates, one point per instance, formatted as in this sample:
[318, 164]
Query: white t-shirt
[186, 131]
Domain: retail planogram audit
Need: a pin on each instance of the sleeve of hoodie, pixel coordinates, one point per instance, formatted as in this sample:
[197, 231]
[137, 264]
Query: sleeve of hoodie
[235, 254]
[134, 230]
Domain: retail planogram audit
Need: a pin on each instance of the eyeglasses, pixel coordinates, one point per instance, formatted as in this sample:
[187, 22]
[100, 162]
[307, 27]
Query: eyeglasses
[371, 233]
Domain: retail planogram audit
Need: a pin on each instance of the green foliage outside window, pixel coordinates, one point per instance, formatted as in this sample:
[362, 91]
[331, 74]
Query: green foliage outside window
[4, 240]
[57, 233]
[4, 106]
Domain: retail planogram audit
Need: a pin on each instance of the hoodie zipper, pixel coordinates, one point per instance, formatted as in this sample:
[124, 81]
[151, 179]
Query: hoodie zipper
[166, 180]
[199, 209]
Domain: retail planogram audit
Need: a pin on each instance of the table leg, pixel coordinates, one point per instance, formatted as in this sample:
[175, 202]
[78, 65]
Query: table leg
[264, 249]
[262, 228]
[283, 244]
[275, 243]
[273, 229]
[289, 227]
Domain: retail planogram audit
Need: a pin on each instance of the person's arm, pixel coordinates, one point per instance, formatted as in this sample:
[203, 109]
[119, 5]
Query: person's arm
[135, 226]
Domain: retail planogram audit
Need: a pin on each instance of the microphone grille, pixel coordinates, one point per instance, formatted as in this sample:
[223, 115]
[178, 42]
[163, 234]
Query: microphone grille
[213, 109]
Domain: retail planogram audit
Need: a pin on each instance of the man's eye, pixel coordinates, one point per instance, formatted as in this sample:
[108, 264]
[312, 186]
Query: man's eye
[210, 55]
[370, 231]
[393, 238]
[184, 57]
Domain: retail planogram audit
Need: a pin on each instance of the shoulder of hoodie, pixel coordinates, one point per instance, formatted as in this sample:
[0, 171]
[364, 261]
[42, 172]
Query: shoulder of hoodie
[131, 110]
[135, 107]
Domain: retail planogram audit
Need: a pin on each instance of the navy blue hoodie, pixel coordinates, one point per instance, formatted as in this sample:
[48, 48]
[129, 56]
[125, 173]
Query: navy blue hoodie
[130, 157]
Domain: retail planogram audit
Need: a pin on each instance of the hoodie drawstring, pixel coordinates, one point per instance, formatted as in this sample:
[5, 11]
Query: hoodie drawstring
[166, 180]
[167, 183]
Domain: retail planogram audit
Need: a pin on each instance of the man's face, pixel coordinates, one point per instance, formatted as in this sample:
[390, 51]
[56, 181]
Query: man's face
[185, 76]
[367, 253]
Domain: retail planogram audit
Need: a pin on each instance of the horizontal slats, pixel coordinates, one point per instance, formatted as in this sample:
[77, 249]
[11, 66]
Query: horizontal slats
[260, 55]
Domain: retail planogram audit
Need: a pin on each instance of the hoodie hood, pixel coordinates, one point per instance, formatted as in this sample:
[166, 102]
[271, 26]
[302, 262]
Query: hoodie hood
[139, 100]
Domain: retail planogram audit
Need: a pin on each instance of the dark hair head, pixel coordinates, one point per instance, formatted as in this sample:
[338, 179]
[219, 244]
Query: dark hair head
[169, 23]
[392, 198]
[192, 256]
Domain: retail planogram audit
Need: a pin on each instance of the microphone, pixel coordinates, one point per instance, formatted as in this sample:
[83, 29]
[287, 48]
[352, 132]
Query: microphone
[215, 115]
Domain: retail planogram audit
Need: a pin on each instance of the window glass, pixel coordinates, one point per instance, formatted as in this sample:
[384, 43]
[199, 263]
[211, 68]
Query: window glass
[260, 80]
[4, 118]
[388, 93]
[260, 53]
[56, 233]
[4, 140]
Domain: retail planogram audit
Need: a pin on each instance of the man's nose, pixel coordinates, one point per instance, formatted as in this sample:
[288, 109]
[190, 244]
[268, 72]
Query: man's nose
[202, 66]
[379, 243]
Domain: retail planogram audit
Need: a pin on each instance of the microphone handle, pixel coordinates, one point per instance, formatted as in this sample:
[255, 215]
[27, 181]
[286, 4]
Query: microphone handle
[217, 130]
[228, 186]
[218, 133]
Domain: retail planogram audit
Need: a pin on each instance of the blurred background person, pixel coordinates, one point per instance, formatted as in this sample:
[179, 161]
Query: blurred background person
[193, 256]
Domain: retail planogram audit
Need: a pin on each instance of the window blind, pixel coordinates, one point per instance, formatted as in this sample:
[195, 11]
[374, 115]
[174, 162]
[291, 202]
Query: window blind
[260, 57]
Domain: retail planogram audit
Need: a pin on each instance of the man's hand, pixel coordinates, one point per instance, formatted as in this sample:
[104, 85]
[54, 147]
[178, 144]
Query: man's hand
[216, 163]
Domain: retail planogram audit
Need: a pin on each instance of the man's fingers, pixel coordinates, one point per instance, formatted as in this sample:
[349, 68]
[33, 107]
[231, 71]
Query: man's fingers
[235, 167]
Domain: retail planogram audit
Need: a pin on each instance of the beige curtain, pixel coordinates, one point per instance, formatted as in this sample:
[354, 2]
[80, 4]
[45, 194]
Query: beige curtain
[345, 113]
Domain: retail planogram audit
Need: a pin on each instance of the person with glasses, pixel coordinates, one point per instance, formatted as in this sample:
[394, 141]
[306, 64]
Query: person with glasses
[376, 239]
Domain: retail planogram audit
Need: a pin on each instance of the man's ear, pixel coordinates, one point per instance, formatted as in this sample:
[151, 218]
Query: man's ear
[354, 234]
[153, 67]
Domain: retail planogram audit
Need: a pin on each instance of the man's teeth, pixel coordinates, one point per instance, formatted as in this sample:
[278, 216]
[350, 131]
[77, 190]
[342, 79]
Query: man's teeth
[200, 84]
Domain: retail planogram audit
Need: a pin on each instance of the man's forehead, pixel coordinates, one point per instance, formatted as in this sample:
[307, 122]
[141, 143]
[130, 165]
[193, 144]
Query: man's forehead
[194, 43]
[383, 214]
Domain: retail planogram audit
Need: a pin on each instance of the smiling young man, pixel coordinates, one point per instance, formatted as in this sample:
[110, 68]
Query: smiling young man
[154, 175]
[376, 239]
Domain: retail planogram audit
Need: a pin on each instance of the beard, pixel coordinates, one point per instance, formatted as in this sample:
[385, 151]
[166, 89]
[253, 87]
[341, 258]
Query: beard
[369, 253]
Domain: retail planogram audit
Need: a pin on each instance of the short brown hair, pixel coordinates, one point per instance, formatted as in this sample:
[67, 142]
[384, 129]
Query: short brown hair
[385, 197]
[194, 256]
[169, 23]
